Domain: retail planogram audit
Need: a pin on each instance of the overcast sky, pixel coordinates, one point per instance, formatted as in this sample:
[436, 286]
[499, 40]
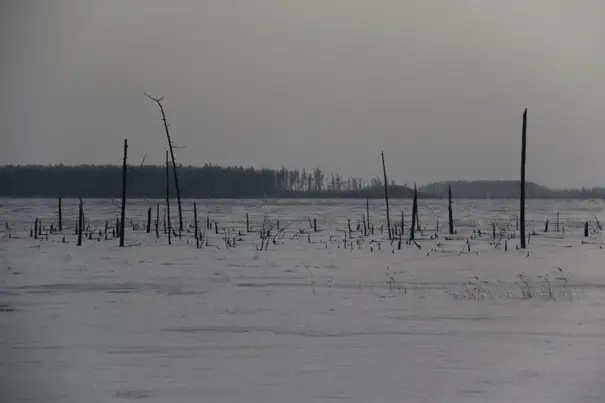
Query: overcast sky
[440, 85]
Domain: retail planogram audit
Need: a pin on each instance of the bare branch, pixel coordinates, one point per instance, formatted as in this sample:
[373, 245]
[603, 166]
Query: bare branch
[158, 100]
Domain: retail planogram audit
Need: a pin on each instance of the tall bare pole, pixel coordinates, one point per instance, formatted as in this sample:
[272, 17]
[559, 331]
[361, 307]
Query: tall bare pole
[386, 194]
[123, 212]
[522, 198]
[80, 222]
[368, 212]
[197, 238]
[414, 214]
[449, 209]
[149, 220]
[60, 215]
[176, 177]
[157, 220]
[169, 226]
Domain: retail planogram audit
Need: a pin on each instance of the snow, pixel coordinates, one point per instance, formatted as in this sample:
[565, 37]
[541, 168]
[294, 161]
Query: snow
[303, 322]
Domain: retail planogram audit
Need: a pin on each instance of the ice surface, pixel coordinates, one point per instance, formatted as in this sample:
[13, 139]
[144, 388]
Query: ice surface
[304, 322]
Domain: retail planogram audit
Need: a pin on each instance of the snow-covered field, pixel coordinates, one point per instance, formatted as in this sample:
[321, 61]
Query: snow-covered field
[309, 319]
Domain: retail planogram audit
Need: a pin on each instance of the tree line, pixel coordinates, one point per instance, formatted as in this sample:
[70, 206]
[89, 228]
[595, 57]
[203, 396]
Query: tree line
[209, 181]
[508, 189]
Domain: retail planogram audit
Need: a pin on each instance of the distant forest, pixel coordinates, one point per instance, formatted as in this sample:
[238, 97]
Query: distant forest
[209, 181]
[507, 189]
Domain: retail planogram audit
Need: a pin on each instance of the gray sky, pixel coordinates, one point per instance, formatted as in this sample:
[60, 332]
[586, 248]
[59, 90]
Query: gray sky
[439, 84]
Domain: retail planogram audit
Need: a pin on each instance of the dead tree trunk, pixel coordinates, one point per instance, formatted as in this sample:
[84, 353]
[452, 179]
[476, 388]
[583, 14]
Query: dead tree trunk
[157, 220]
[169, 226]
[80, 222]
[368, 211]
[402, 224]
[414, 214]
[176, 177]
[149, 220]
[418, 226]
[123, 212]
[449, 209]
[522, 198]
[386, 194]
[60, 215]
[197, 238]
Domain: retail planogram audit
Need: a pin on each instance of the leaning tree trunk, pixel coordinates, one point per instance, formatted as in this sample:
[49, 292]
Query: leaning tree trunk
[522, 198]
[386, 194]
[176, 177]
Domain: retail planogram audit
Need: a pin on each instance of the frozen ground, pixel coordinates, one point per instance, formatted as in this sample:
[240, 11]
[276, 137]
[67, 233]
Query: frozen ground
[304, 321]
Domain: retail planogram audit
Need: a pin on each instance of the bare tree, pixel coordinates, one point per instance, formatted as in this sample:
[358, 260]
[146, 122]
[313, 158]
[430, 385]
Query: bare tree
[386, 194]
[522, 190]
[170, 146]
[449, 209]
[123, 208]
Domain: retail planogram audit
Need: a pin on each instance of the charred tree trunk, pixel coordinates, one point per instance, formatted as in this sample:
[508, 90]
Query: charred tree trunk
[123, 212]
[368, 211]
[176, 177]
[386, 194]
[449, 209]
[157, 220]
[197, 238]
[414, 214]
[80, 222]
[60, 215]
[402, 224]
[168, 224]
[149, 220]
[522, 198]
